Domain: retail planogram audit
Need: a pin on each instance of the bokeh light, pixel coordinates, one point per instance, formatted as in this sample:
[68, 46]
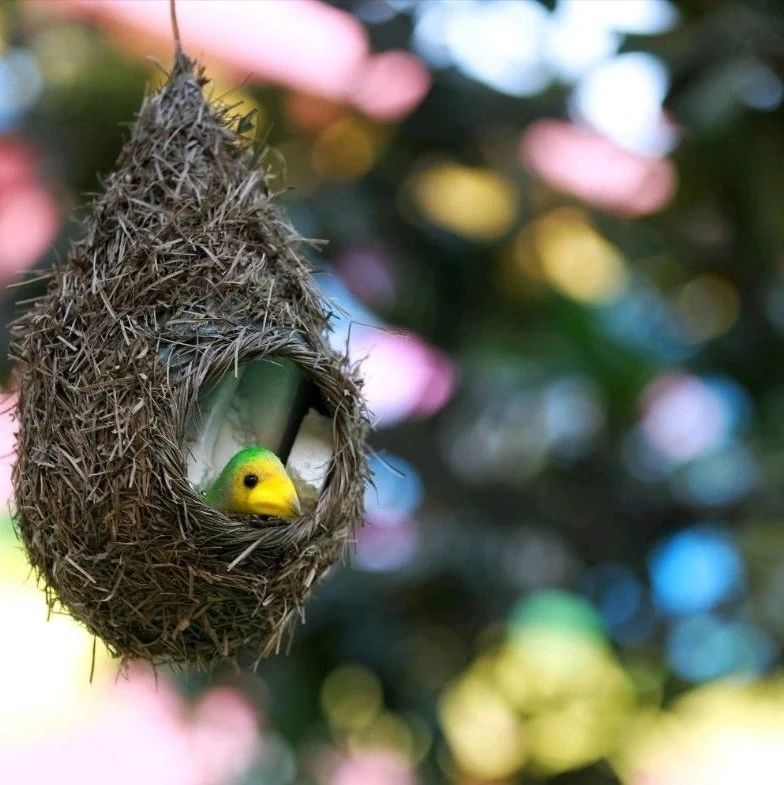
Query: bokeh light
[351, 697]
[757, 86]
[390, 85]
[554, 678]
[473, 202]
[695, 570]
[723, 477]
[685, 417]
[579, 38]
[643, 321]
[374, 767]
[624, 604]
[485, 735]
[395, 488]
[387, 543]
[332, 47]
[20, 85]
[29, 215]
[717, 735]
[509, 423]
[497, 42]
[708, 307]
[403, 376]
[575, 259]
[422, 389]
[622, 99]
[585, 164]
[637, 17]
[704, 647]
[346, 149]
[370, 274]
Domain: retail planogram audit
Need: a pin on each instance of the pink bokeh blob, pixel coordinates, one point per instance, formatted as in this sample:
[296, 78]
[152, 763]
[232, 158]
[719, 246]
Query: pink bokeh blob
[403, 376]
[305, 45]
[28, 223]
[390, 85]
[587, 165]
[141, 731]
[373, 767]
[683, 418]
[29, 216]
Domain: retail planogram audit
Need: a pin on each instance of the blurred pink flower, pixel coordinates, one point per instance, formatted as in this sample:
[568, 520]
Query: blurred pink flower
[373, 767]
[29, 216]
[589, 166]
[142, 732]
[223, 735]
[390, 85]
[404, 377]
[302, 44]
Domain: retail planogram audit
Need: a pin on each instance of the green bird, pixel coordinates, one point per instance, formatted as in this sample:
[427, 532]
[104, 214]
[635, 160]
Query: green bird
[255, 482]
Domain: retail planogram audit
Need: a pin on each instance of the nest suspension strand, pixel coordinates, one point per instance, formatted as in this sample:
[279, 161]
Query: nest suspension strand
[186, 271]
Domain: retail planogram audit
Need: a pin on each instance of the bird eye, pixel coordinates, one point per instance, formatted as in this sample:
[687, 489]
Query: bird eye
[250, 480]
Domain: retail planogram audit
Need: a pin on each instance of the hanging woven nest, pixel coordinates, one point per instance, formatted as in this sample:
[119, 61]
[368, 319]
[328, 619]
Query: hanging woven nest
[186, 275]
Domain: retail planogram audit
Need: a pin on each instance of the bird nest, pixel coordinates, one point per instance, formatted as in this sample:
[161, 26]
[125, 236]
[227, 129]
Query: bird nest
[185, 274]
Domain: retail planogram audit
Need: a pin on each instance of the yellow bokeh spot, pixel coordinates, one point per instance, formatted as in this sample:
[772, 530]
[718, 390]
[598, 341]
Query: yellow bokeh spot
[724, 733]
[571, 256]
[708, 306]
[470, 201]
[351, 698]
[347, 148]
[486, 737]
[570, 737]
[543, 666]
[14, 568]
[524, 253]
[550, 698]
[576, 734]
[65, 52]
[572, 692]
[45, 660]
[387, 731]
[520, 256]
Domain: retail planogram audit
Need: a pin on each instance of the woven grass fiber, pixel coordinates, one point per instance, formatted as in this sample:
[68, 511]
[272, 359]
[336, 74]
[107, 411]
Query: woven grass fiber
[185, 269]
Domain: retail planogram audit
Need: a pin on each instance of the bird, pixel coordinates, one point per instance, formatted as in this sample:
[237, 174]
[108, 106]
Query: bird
[255, 482]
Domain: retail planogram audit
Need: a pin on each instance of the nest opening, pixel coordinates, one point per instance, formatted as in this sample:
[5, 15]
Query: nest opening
[267, 401]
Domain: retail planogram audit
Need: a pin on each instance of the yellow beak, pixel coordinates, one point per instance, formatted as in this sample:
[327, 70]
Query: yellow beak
[276, 497]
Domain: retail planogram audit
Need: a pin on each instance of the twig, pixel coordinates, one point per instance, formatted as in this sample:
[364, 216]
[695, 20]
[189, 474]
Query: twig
[175, 27]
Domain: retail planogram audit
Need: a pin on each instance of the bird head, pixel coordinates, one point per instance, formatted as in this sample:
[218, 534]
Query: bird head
[255, 482]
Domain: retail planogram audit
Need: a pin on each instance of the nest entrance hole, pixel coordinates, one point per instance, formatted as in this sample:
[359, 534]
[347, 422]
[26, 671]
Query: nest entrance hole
[270, 402]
